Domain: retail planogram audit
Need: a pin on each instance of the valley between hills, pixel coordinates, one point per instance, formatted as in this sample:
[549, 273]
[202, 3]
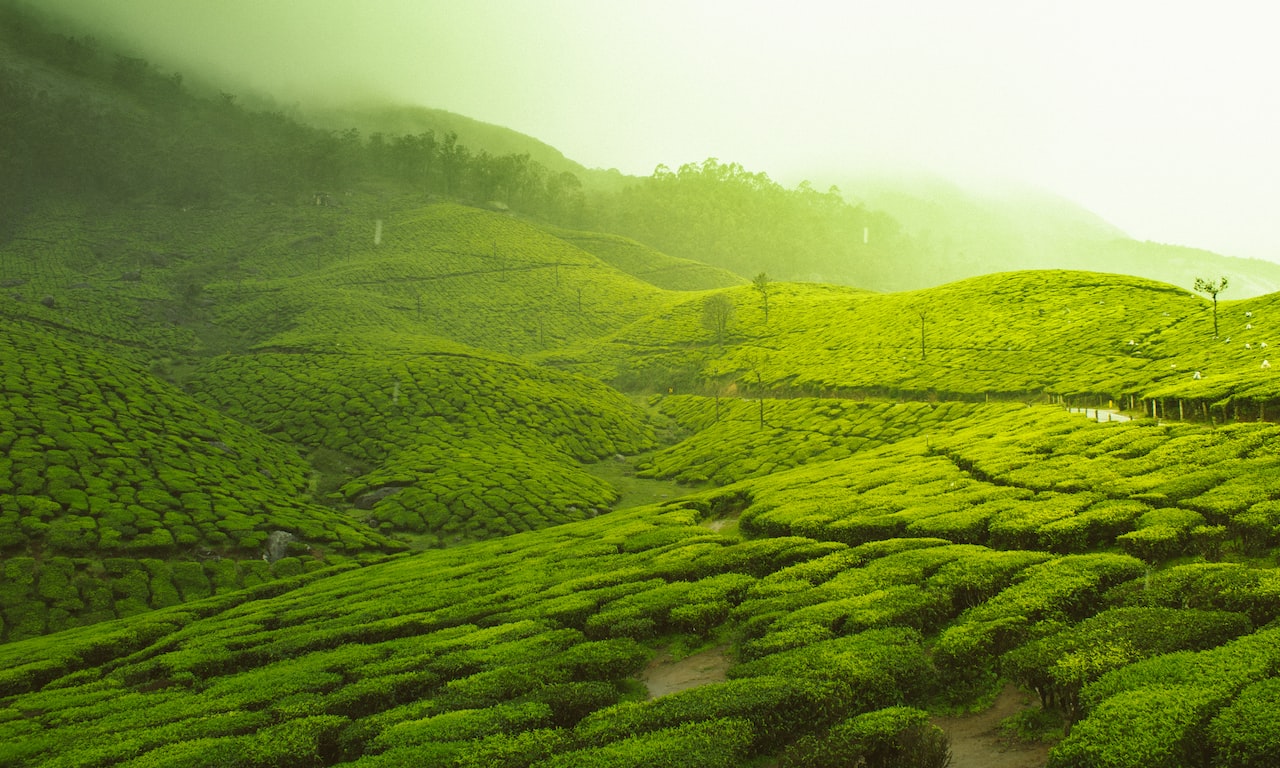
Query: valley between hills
[424, 469]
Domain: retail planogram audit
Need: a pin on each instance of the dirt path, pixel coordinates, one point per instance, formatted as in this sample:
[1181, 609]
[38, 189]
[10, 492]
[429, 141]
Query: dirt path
[664, 676]
[976, 742]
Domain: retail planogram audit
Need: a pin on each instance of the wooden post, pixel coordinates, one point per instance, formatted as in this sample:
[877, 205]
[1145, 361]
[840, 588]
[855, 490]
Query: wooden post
[1181, 416]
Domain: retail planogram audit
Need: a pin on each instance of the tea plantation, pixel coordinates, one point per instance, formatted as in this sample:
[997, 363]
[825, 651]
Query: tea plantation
[324, 449]
[296, 485]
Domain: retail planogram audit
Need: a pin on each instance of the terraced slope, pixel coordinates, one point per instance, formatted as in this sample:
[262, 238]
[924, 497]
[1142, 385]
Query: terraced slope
[652, 266]
[436, 439]
[523, 651]
[1039, 478]
[970, 529]
[527, 668]
[734, 439]
[472, 276]
[1021, 334]
[119, 493]
[247, 274]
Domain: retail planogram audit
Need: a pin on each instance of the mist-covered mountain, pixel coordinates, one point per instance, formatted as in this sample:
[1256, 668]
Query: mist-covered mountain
[403, 119]
[966, 231]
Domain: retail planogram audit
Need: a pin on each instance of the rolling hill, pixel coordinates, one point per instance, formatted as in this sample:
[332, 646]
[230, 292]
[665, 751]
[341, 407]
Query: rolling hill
[965, 232]
[301, 478]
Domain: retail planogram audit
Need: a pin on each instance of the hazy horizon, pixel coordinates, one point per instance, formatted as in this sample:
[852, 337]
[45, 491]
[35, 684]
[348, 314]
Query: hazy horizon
[1155, 118]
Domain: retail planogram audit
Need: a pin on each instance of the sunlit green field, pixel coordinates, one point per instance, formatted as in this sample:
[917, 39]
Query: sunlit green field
[514, 471]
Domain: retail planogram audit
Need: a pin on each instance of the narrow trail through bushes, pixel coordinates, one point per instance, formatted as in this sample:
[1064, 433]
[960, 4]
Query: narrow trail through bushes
[976, 741]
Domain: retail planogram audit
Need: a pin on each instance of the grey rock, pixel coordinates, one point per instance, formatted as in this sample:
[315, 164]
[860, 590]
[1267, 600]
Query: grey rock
[277, 545]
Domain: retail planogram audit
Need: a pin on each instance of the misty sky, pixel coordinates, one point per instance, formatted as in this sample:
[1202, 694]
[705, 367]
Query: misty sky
[1160, 117]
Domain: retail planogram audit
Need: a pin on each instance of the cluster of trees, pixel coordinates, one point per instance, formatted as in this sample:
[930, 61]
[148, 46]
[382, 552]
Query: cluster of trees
[440, 165]
[722, 214]
[111, 127]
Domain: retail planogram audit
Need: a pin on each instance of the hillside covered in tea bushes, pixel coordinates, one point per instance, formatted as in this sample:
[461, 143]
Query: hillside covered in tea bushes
[869, 527]
[379, 453]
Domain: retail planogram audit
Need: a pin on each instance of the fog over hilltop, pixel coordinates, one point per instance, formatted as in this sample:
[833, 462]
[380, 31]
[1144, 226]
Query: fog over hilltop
[1157, 118]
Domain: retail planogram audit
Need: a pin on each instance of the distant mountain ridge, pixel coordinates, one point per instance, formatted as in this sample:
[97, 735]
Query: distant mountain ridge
[406, 119]
[966, 232]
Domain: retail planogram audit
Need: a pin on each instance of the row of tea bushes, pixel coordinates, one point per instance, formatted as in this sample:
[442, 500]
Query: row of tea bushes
[443, 442]
[729, 444]
[1198, 485]
[524, 650]
[465, 274]
[1190, 708]
[501, 656]
[55, 593]
[1010, 477]
[101, 458]
[1058, 666]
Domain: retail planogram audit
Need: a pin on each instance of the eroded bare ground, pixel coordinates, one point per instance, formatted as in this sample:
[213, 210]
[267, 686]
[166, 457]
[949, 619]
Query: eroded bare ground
[665, 675]
[976, 741]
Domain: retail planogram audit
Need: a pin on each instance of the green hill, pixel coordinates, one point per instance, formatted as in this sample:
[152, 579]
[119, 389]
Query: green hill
[437, 441]
[1037, 335]
[407, 120]
[651, 266]
[307, 462]
[119, 493]
[526, 649]
[962, 232]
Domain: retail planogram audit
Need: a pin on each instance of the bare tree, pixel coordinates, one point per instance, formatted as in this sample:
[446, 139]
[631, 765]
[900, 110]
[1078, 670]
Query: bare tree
[923, 314]
[717, 311]
[755, 364]
[764, 285]
[1212, 289]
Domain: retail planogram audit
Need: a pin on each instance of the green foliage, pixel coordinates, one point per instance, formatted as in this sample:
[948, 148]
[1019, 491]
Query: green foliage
[724, 215]
[713, 744]
[886, 738]
[1246, 733]
[651, 266]
[1058, 666]
[1060, 590]
[886, 529]
[462, 447]
[1159, 725]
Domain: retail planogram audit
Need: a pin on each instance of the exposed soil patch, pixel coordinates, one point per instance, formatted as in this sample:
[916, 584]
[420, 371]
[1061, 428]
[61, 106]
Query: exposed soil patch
[976, 741]
[664, 675]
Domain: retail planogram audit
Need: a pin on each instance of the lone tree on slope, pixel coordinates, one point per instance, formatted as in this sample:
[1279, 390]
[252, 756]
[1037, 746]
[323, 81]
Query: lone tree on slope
[1212, 288]
[717, 311]
[764, 285]
[923, 314]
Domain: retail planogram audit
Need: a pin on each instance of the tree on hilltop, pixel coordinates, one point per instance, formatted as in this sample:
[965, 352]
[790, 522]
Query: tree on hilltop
[923, 313]
[764, 285]
[1212, 289]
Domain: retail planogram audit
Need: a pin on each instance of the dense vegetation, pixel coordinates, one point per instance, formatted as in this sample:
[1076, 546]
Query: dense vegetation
[291, 479]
